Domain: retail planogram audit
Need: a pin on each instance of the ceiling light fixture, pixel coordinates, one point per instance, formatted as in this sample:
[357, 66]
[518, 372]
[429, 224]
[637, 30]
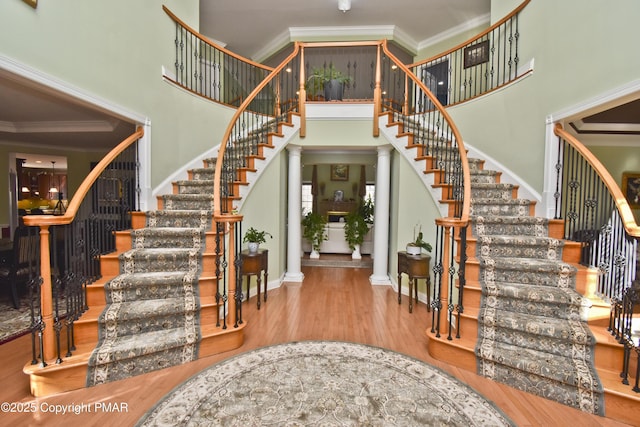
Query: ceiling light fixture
[344, 5]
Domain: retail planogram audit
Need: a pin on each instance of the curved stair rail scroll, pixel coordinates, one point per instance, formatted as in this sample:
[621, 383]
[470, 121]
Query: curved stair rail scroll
[597, 214]
[434, 134]
[477, 66]
[211, 71]
[69, 253]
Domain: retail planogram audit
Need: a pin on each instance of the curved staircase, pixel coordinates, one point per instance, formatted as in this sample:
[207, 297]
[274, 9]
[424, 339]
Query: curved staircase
[530, 317]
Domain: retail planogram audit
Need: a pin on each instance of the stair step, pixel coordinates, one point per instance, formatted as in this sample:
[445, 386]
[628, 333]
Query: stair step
[168, 237]
[508, 225]
[502, 207]
[187, 202]
[497, 246]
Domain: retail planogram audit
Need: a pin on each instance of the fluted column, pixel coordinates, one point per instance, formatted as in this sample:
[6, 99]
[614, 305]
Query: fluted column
[294, 227]
[380, 274]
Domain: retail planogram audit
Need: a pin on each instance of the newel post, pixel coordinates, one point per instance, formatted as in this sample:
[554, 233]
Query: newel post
[377, 95]
[46, 296]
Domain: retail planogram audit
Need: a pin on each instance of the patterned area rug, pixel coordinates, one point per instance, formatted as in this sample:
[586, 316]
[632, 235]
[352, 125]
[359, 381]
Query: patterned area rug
[323, 383]
[13, 323]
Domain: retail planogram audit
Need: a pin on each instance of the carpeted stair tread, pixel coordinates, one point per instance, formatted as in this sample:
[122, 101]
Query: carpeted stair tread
[149, 285]
[519, 246]
[502, 207]
[188, 201]
[486, 176]
[492, 191]
[195, 187]
[136, 317]
[160, 259]
[180, 218]
[572, 331]
[168, 237]
[528, 270]
[509, 225]
[131, 346]
[573, 371]
[550, 301]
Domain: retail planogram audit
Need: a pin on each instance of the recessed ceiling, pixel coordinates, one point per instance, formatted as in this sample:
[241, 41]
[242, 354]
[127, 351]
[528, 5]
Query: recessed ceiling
[255, 29]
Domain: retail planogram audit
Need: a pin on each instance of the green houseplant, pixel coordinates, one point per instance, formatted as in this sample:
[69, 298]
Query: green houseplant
[418, 244]
[355, 229]
[254, 237]
[314, 231]
[329, 80]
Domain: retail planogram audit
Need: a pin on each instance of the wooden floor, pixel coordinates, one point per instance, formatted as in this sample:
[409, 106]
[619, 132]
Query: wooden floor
[331, 304]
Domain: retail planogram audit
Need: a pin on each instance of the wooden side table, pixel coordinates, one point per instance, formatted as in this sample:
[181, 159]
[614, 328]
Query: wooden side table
[416, 267]
[255, 265]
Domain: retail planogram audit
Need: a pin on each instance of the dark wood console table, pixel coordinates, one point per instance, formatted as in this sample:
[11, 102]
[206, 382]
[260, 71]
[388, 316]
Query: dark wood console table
[255, 265]
[416, 267]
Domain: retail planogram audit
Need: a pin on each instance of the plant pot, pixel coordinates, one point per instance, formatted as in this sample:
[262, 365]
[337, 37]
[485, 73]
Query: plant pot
[333, 90]
[253, 247]
[356, 253]
[314, 254]
[414, 250]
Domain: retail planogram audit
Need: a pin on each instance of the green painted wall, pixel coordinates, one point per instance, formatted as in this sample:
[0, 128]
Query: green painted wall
[115, 50]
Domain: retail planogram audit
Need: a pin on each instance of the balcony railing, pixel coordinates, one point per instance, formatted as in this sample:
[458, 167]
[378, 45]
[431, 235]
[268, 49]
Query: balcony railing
[477, 66]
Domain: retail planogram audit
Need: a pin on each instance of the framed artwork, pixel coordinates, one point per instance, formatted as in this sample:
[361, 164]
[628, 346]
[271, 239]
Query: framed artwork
[32, 3]
[631, 188]
[476, 54]
[340, 172]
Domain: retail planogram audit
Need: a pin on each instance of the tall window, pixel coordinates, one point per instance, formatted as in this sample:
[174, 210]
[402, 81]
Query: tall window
[307, 199]
[370, 191]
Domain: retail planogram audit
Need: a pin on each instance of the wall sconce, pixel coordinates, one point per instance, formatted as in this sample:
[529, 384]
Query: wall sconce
[344, 5]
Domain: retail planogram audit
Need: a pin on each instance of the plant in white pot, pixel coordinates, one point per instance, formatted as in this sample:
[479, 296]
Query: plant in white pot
[355, 229]
[418, 244]
[314, 232]
[254, 237]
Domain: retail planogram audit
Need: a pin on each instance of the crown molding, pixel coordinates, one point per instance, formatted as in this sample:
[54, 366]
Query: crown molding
[65, 126]
[454, 31]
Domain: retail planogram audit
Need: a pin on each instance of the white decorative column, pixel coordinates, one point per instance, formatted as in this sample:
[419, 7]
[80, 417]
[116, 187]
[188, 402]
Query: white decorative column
[380, 274]
[294, 226]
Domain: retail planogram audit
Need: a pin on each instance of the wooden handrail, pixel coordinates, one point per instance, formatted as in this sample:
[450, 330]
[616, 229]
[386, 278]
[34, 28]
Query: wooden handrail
[466, 203]
[81, 192]
[474, 38]
[620, 200]
[210, 43]
[217, 209]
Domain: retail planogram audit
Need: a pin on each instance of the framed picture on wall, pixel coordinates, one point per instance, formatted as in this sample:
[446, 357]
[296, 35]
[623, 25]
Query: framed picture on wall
[477, 53]
[631, 188]
[340, 172]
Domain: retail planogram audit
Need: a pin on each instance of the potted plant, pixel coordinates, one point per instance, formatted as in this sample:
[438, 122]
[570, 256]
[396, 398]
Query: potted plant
[254, 237]
[314, 231]
[418, 244]
[329, 80]
[355, 229]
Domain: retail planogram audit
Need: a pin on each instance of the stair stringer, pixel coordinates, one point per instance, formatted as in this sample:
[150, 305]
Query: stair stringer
[400, 144]
[507, 176]
[279, 142]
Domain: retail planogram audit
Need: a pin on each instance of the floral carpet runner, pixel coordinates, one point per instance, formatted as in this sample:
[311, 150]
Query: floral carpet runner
[152, 318]
[318, 383]
[530, 335]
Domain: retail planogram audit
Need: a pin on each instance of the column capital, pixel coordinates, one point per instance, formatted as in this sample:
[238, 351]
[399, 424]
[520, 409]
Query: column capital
[384, 149]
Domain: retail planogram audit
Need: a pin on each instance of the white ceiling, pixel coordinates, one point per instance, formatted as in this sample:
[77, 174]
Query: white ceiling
[255, 29]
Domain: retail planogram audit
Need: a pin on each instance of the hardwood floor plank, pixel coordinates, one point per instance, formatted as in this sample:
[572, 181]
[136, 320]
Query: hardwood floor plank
[331, 304]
